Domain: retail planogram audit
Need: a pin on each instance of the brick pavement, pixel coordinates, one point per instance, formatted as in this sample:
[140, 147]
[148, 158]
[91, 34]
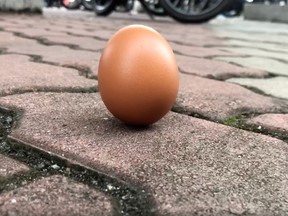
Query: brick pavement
[222, 150]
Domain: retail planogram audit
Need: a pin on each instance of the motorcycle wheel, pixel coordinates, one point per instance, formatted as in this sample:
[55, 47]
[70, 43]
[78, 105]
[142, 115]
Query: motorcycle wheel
[87, 4]
[153, 7]
[195, 11]
[71, 4]
[104, 7]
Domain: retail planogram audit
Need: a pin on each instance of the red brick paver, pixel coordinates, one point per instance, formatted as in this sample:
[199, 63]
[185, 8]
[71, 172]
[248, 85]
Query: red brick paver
[31, 76]
[55, 195]
[273, 122]
[9, 167]
[188, 165]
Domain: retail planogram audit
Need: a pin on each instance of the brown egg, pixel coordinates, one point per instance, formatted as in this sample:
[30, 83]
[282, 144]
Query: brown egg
[138, 75]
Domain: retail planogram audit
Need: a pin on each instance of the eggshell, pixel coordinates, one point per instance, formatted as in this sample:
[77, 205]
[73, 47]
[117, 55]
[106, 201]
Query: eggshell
[138, 75]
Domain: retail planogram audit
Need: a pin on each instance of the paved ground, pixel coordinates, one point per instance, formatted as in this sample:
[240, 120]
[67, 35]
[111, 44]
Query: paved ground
[222, 150]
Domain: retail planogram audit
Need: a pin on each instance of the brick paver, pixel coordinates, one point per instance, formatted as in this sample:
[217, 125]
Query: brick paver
[27, 76]
[9, 167]
[273, 122]
[188, 165]
[218, 100]
[55, 195]
[214, 69]
[276, 86]
[77, 159]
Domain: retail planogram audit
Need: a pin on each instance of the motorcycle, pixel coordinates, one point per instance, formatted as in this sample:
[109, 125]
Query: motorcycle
[106, 7]
[186, 11]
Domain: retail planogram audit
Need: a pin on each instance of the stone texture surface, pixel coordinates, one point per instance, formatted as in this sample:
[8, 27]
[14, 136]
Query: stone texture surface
[9, 167]
[218, 101]
[270, 65]
[272, 122]
[59, 55]
[19, 75]
[276, 86]
[214, 69]
[56, 195]
[190, 166]
[199, 51]
[258, 52]
[18, 5]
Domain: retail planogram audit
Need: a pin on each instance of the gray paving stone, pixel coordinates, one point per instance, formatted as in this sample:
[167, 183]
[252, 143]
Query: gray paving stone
[214, 69]
[9, 167]
[276, 86]
[190, 166]
[32, 32]
[257, 52]
[258, 37]
[219, 100]
[18, 74]
[272, 122]
[263, 46]
[199, 51]
[265, 64]
[56, 195]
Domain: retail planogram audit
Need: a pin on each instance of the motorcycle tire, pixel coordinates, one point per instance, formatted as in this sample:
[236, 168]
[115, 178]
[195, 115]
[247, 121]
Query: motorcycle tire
[104, 8]
[71, 5]
[181, 15]
[87, 4]
[154, 9]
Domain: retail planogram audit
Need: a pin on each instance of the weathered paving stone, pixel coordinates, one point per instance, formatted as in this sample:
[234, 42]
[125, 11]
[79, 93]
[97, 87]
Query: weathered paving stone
[82, 42]
[18, 74]
[32, 32]
[59, 55]
[257, 52]
[214, 69]
[190, 166]
[276, 86]
[261, 45]
[258, 37]
[272, 122]
[265, 64]
[56, 195]
[199, 51]
[218, 100]
[9, 167]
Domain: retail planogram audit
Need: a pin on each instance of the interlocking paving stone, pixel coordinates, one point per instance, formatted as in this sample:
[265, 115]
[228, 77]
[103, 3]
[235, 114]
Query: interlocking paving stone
[18, 74]
[9, 167]
[214, 69]
[276, 86]
[273, 122]
[56, 195]
[257, 52]
[265, 64]
[59, 55]
[190, 166]
[263, 46]
[258, 37]
[32, 32]
[199, 51]
[82, 42]
[218, 100]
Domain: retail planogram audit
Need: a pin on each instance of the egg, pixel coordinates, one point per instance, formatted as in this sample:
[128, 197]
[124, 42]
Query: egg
[138, 75]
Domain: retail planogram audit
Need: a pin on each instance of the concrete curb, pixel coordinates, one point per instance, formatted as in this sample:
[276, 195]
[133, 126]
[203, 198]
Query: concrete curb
[29, 6]
[272, 13]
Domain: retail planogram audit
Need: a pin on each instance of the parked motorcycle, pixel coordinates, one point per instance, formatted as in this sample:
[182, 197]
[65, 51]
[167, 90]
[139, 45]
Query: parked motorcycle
[106, 7]
[192, 11]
